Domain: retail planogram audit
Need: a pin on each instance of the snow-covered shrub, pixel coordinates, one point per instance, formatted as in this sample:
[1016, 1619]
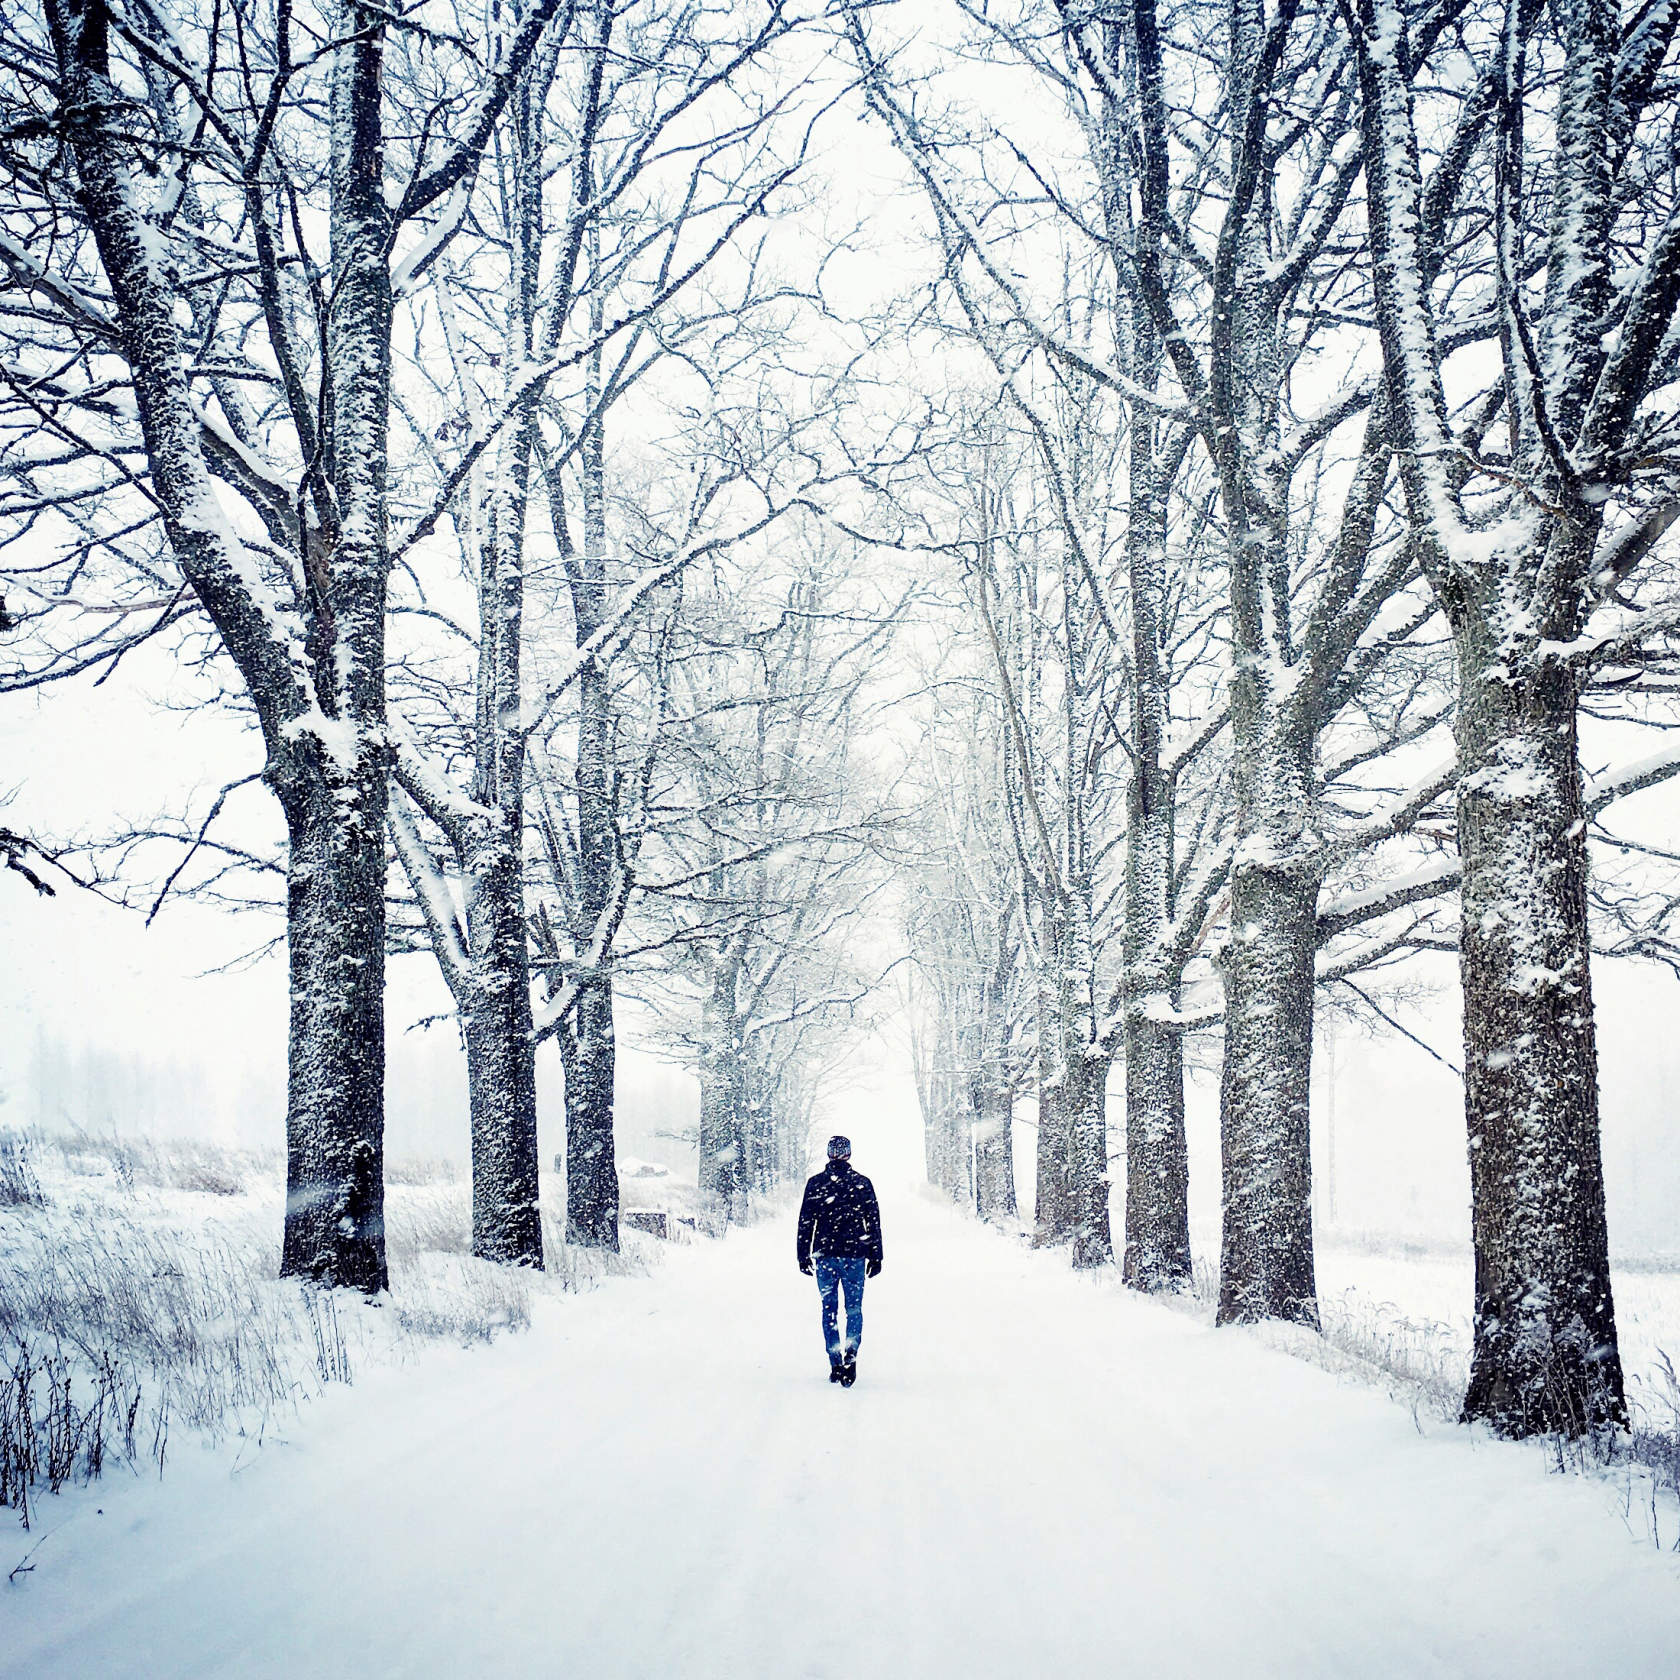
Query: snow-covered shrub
[19, 1186]
[1653, 1443]
[1426, 1357]
[191, 1314]
[189, 1164]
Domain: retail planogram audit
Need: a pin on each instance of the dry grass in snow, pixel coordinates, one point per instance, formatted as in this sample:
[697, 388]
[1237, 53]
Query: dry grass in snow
[138, 1300]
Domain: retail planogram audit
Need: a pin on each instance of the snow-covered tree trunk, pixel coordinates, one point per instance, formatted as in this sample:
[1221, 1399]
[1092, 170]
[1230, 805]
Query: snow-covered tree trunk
[588, 1052]
[1082, 1079]
[1519, 574]
[496, 1026]
[336, 894]
[495, 990]
[1266, 1253]
[1545, 1352]
[994, 1150]
[723, 1182]
[591, 1157]
[1156, 1253]
[1052, 1220]
[1156, 1246]
[994, 1099]
[1266, 1262]
[1157, 1240]
[334, 1230]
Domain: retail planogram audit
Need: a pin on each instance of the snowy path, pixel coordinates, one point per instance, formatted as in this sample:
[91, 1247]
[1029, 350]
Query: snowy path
[1033, 1477]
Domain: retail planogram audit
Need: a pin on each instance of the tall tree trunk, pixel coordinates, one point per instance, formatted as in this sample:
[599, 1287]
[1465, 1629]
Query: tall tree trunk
[591, 1160]
[994, 1153]
[495, 990]
[591, 1163]
[1156, 1253]
[1544, 1355]
[1085, 1096]
[1084, 1090]
[495, 1005]
[1051, 1224]
[1156, 1244]
[994, 1165]
[994, 1148]
[588, 1053]
[961, 1110]
[1052, 1219]
[334, 1229]
[1157, 1240]
[1266, 1252]
[723, 1184]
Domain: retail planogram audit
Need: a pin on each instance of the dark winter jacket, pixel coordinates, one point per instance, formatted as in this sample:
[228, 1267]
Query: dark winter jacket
[839, 1218]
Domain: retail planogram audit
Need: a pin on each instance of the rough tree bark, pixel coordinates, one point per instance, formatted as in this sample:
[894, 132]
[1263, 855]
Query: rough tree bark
[334, 1229]
[1052, 1222]
[723, 1183]
[1157, 1239]
[588, 1050]
[1156, 1246]
[1266, 1253]
[1518, 584]
[1082, 1079]
[496, 1027]
[994, 1098]
[588, 1044]
[1531, 1088]
[322, 711]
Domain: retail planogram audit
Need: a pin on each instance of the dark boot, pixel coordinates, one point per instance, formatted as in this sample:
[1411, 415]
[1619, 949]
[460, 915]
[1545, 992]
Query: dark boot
[836, 1370]
[848, 1370]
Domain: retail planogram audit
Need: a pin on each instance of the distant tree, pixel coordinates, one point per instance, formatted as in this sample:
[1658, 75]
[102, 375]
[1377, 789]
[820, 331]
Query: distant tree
[972, 982]
[766, 849]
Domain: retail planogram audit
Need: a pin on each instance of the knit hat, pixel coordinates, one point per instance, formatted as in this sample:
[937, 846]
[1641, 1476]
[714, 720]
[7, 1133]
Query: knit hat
[839, 1148]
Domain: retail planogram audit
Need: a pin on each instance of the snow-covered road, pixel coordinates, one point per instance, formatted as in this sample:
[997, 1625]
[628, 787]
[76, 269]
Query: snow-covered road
[1035, 1476]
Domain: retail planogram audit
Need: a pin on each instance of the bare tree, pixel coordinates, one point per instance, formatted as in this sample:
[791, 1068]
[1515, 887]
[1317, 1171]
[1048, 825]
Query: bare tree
[1559, 136]
[211, 394]
[971, 1032]
[559, 305]
[1225, 273]
[765, 851]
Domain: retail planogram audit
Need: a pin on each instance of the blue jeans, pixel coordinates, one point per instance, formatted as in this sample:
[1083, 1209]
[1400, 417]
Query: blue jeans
[831, 1274]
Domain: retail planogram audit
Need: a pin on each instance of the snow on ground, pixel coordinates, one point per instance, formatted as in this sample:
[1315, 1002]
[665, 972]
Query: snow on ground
[1426, 1296]
[1033, 1476]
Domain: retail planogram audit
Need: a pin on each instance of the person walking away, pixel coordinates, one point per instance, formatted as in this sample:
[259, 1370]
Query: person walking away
[840, 1238]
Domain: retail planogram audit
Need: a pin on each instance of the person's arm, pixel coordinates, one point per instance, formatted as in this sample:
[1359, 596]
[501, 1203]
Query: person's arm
[807, 1229]
[873, 1211]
